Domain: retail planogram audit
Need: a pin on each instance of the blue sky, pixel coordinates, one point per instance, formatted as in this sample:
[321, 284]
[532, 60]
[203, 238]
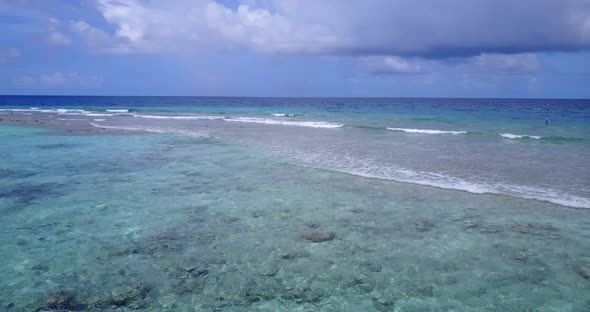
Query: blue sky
[430, 48]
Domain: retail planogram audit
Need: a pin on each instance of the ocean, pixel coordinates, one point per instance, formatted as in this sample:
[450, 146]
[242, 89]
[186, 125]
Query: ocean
[294, 204]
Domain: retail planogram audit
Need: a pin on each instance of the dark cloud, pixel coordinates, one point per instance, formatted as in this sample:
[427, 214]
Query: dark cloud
[428, 28]
[453, 28]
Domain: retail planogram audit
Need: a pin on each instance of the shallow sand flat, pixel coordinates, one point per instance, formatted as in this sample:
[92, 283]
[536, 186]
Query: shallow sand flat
[64, 124]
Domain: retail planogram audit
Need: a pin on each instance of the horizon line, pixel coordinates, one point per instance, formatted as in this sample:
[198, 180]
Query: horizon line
[292, 97]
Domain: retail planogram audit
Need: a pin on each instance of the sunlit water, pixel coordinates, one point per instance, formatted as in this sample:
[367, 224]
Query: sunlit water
[211, 214]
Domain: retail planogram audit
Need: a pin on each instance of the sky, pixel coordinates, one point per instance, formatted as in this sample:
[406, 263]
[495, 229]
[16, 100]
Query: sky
[380, 48]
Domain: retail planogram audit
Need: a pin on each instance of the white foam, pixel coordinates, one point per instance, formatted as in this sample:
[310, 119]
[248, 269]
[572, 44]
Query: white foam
[125, 128]
[117, 110]
[310, 124]
[70, 111]
[519, 136]
[73, 112]
[187, 117]
[52, 111]
[97, 115]
[448, 182]
[369, 169]
[427, 131]
[99, 119]
[548, 195]
[155, 130]
[16, 109]
[61, 111]
[282, 115]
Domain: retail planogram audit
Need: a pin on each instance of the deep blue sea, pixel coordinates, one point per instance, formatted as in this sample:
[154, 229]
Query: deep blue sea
[294, 204]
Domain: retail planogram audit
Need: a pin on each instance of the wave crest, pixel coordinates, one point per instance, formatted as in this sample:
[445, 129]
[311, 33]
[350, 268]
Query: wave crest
[187, 117]
[520, 136]
[427, 131]
[369, 169]
[310, 124]
[283, 115]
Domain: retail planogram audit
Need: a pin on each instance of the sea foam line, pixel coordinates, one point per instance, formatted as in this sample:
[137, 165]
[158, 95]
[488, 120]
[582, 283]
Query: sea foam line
[427, 131]
[310, 124]
[484, 188]
[188, 117]
[82, 112]
[173, 131]
[283, 115]
[519, 136]
[96, 115]
[368, 169]
[61, 111]
[125, 128]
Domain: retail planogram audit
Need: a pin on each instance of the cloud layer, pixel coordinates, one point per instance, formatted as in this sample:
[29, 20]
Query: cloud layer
[428, 29]
[327, 47]
[56, 37]
[7, 54]
[389, 65]
[58, 79]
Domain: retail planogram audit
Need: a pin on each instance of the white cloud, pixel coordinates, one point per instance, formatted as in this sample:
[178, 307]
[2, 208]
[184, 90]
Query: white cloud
[389, 65]
[532, 83]
[179, 24]
[56, 37]
[58, 79]
[100, 41]
[59, 39]
[335, 27]
[264, 31]
[24, 80]
[7, 54]
[488, 64]
[526, 63]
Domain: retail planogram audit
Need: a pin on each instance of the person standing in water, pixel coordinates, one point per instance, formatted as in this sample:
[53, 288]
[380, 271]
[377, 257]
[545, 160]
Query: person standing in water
[547, 116]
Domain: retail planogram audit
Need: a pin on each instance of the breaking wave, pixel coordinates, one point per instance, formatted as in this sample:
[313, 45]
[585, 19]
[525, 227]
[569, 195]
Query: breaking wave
[427, 131]
[283, 115]
[154, 130]
[520, 136]
[369, 169]
[184, 117]
[310, 124]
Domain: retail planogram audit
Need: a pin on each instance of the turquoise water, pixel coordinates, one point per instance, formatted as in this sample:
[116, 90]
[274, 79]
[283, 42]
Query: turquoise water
[536, 149]
[221, 215]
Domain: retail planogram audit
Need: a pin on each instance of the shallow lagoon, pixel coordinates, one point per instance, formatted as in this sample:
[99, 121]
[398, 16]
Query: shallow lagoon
[177, 223]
